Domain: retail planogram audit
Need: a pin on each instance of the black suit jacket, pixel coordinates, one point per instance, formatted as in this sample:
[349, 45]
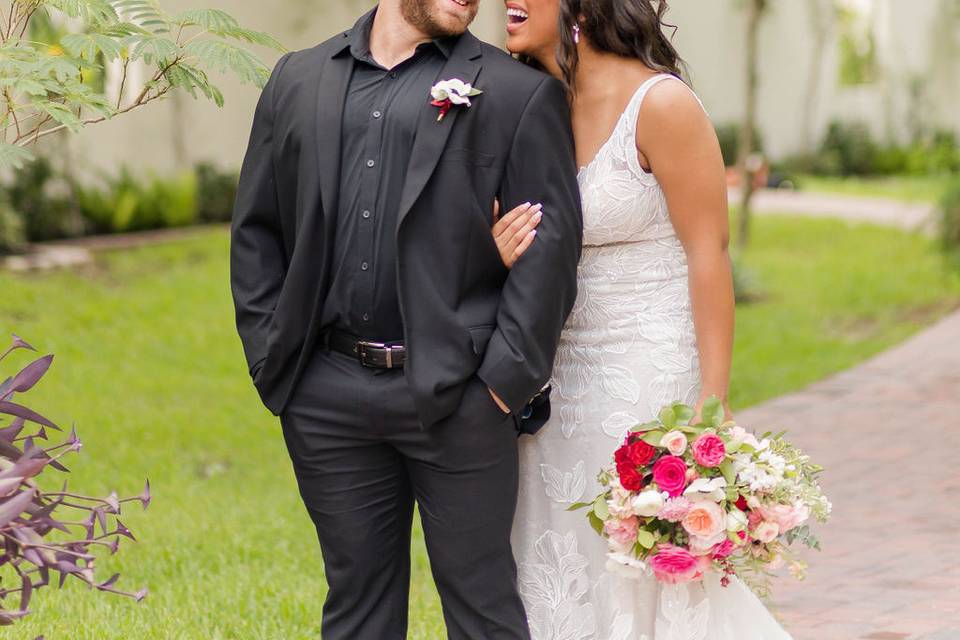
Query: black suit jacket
[464, 314]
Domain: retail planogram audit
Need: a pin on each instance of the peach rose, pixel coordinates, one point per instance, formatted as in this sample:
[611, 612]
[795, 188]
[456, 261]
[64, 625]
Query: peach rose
[705, 520]
[675, 442]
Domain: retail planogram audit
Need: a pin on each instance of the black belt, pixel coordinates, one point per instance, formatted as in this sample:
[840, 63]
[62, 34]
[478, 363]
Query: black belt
[376, 355]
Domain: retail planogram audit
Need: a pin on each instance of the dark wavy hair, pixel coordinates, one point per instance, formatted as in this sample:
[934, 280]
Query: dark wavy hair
[628, 28]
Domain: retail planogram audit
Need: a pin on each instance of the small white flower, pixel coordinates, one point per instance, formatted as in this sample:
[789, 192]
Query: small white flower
[627, 566]
[736, 520]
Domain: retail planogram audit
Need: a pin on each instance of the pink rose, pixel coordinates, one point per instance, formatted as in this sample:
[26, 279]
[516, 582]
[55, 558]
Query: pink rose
[787, 516]
[705, 520]
[692, 475]
[670, 474]
[674, 565]
[709, 450]
[674, 509]
[723, 550]
[622, 533]
[766, 532]
[675, 442]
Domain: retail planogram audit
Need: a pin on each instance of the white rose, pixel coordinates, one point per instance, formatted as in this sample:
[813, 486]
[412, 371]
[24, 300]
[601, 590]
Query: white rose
[675, 442]
[766, 532]
[647, 503]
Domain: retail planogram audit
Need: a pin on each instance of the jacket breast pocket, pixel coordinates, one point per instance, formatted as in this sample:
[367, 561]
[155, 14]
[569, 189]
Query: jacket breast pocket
[481, 337]
[468, 156]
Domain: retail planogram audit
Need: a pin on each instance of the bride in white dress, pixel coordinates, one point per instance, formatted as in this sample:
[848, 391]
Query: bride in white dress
[653, 323]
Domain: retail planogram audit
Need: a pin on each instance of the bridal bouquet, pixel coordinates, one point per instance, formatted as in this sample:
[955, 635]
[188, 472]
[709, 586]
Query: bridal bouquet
[683, 499]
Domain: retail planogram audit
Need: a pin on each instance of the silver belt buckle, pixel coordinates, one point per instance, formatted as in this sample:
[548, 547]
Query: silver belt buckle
[362, 345]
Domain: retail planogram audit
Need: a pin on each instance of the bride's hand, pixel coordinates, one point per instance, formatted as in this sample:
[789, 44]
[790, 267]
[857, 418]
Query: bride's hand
[514, 232]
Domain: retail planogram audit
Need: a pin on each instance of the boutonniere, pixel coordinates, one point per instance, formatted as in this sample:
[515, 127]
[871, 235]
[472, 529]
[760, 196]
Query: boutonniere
[447, 93]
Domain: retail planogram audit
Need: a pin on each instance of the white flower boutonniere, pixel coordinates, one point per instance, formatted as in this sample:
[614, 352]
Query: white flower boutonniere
[447, 93]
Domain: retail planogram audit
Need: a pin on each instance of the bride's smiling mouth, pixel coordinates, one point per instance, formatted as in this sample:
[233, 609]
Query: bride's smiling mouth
[517, 16]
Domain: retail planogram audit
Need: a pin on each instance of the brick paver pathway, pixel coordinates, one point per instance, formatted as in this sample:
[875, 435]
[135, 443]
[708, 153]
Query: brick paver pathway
[888, 433]
[904, 215]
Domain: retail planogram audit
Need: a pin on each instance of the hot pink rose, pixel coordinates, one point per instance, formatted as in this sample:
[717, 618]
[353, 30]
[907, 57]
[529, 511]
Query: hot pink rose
[709, 450]
[622, 533]
[723, 550]
[674, 565]
[670, 474]
[787, 516]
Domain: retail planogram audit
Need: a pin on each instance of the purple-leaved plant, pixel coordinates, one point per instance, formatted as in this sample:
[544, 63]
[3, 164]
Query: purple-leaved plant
[28, 514]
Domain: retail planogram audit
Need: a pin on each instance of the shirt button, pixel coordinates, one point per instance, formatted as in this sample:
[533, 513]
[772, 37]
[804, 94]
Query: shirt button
[365, 214]
[365, 317]
[364, 266]
[393, 74]
[371, 163]
[377, 114]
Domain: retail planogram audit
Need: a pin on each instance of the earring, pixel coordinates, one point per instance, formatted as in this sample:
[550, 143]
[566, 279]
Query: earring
[576, 34]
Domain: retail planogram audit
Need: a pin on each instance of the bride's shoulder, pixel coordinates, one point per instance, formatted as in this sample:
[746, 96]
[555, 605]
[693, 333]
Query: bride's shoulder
[667, 104]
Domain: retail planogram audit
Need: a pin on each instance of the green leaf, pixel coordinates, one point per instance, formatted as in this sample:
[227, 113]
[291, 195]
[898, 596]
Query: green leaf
[726, 468]
[646, 426]
[668, 418]
[14, 157]
[88, 45]
[653, 437]
[683, 413]
[595, 522]
[712, 411]
[224, 56]
[578, 505]
[645, 539]
[600, 508]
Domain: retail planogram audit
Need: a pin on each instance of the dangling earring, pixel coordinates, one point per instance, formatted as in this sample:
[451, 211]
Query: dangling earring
[576, 34]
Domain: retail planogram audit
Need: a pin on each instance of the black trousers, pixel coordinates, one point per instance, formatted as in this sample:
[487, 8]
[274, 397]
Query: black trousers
[361, 459]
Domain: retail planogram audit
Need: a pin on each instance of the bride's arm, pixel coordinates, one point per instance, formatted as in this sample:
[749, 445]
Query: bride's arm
[677, 140]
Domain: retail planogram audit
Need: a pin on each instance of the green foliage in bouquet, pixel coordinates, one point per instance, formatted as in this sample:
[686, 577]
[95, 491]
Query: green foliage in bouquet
[44, 85]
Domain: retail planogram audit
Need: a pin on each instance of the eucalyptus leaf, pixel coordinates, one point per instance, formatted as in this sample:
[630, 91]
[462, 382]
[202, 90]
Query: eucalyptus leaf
[645, 539]
[600, 508]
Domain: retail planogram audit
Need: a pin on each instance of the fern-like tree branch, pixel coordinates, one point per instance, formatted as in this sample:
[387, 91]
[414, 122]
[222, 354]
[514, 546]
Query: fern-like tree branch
[46, 81]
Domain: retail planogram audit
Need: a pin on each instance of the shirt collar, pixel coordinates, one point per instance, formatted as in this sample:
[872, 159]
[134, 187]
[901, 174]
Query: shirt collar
[357, 40]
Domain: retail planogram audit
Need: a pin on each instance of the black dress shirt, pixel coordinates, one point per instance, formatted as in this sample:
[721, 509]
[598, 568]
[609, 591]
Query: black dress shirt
[380, 119]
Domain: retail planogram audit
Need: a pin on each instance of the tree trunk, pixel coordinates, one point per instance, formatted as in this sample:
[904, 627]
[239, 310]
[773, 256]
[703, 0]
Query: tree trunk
[821, 23]
[755, 11]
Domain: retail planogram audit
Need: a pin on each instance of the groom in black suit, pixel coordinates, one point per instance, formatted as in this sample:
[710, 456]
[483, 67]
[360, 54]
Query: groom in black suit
[377, 318]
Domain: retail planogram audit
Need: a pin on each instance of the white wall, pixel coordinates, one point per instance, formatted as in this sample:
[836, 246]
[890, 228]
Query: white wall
[710, 37]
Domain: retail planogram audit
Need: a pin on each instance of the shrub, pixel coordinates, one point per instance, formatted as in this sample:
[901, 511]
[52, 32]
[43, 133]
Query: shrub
[729, 137]
[127, 203]
[216, 192]
[43, 200]
[29, 515]
[847, 149]
[12, 238]
[949, 227]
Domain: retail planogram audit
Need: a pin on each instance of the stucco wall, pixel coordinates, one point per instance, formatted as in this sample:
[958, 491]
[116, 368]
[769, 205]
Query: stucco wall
[710, 36]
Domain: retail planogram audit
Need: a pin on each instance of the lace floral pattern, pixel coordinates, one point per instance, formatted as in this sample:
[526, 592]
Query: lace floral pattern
[628, 348]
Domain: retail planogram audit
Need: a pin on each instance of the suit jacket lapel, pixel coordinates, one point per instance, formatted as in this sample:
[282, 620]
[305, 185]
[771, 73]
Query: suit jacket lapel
[432, 136]
[330, 100]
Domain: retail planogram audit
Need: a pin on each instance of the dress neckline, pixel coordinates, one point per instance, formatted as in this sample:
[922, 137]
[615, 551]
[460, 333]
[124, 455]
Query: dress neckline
[637, 95]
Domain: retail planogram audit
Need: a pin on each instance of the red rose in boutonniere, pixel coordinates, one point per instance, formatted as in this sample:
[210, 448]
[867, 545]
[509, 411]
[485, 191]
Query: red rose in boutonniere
[447, 93]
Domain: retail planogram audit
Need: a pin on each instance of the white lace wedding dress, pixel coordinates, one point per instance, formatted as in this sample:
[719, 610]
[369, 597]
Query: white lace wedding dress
[629, 348]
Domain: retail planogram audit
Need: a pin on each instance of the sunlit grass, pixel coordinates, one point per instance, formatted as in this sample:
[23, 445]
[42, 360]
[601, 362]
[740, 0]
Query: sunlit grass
[149, 369]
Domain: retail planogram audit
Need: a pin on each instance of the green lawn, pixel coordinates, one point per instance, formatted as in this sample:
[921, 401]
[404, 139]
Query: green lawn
[150, 371]
[928, 189]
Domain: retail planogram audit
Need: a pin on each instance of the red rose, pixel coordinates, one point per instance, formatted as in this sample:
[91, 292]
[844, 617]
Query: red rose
[640, 453]
[709, 450]
[741, 503]
[629, 478]
[670, 474]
